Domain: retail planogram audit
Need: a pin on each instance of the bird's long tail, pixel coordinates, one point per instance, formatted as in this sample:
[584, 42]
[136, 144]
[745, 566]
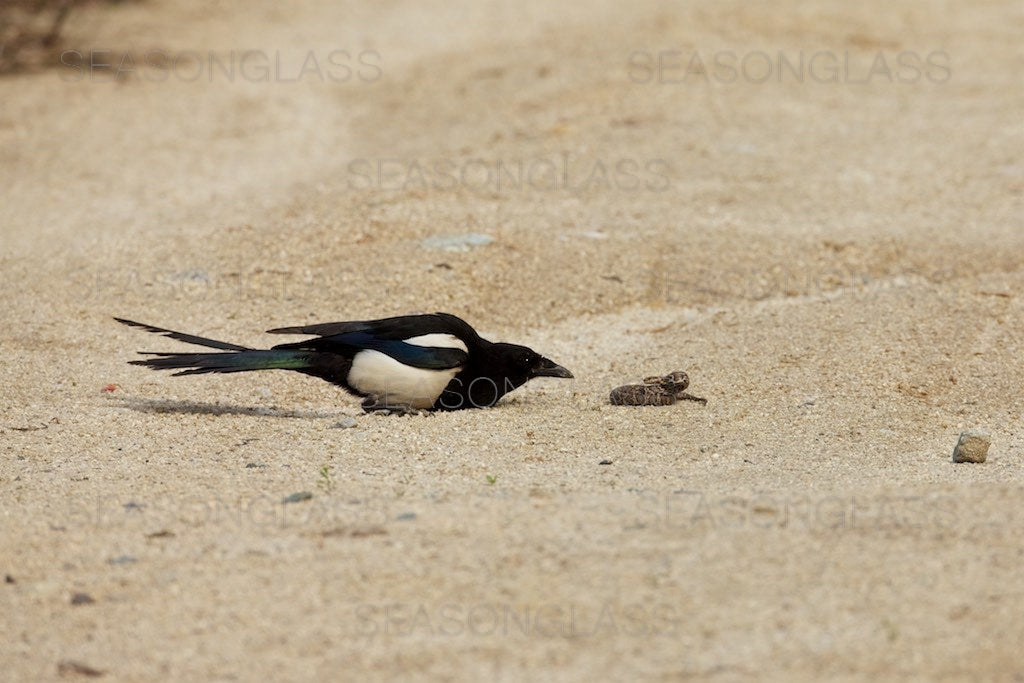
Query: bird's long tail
[232, 358]
[232, 361]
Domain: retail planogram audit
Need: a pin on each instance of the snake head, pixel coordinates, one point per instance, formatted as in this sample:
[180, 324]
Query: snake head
[672, 382]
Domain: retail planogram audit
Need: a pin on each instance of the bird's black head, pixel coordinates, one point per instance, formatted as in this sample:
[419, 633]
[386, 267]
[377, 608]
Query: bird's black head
[521, 364]
[494, 372]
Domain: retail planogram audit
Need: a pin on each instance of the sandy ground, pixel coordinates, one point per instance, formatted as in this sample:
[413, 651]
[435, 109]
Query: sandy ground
[837, 260]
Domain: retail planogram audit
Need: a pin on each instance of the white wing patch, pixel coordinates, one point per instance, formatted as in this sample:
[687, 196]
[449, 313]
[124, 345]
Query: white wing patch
[392, 382]
[438, 340]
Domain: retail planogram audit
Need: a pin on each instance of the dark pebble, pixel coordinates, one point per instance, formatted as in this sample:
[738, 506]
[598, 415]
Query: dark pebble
[163, 533]
[70, 667]
[81, 599]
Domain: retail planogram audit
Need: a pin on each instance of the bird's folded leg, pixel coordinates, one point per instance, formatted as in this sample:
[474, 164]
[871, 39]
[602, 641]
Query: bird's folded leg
[373, 404]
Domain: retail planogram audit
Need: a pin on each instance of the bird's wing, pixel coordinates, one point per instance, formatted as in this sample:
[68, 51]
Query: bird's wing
[323, 329]
[398, 327]
[420, 341]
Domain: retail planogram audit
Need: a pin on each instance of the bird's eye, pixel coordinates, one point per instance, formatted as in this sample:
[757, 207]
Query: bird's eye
[526, 361]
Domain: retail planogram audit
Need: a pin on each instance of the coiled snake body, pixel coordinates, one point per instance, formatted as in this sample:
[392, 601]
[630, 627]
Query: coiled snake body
[655, 391]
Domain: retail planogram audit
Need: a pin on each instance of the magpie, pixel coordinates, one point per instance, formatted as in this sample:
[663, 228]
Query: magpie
[402, 364]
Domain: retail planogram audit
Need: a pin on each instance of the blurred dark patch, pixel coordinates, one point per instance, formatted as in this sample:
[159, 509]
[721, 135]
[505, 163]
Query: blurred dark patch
[30, 31]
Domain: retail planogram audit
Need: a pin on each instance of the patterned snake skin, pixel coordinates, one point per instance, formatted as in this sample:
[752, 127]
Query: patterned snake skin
[655, 391]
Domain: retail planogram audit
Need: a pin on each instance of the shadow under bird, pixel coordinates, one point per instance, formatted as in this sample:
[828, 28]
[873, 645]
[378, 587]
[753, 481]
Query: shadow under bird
[401, 364]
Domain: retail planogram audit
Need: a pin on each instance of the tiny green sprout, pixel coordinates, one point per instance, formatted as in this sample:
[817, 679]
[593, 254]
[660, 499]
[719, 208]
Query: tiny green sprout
[326, 482]
[491, 479]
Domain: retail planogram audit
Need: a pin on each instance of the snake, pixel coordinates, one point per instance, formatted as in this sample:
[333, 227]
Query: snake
[657, 390]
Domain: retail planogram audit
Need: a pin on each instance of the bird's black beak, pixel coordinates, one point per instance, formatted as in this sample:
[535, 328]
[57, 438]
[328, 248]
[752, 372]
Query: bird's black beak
[549, 368]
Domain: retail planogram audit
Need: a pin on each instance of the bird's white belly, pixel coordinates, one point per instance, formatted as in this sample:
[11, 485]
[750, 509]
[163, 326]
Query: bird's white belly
[393, 383]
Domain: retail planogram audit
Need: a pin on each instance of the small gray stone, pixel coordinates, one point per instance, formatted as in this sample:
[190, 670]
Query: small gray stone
[347, 422]
[972, 446]
[457, 242]
[299, 497]
[191, 275]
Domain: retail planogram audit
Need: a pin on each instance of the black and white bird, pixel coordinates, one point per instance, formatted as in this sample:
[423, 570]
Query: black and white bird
[401, 364]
